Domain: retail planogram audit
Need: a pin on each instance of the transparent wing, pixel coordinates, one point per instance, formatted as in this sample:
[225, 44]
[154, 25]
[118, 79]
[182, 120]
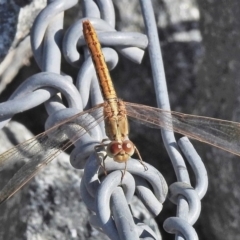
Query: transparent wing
[219, 133]
[38, 151]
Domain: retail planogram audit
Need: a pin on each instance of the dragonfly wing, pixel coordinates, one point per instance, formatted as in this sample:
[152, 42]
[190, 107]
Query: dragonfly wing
[219, 133]
[38, 151]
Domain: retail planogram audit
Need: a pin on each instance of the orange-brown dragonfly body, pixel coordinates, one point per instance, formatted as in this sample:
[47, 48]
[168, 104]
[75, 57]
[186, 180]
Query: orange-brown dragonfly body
[115, 117]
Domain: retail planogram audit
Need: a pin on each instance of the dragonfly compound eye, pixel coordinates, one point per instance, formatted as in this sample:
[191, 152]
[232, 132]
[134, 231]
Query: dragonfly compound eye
[128, 147]
[114, 148]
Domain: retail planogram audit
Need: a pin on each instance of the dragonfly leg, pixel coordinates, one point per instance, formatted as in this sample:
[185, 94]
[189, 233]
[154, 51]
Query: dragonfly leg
[104, 140]
[103, 165]
[124, 171]
[140, 159]
[101, 160]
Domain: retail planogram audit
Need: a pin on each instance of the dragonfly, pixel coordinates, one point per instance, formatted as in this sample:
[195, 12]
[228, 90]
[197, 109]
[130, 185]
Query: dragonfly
[43, 148]
[114, 111]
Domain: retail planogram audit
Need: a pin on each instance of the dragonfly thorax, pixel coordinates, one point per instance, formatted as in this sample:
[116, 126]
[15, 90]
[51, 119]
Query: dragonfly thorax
[116, 123]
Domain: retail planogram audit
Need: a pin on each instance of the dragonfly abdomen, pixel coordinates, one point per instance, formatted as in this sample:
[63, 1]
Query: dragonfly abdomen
[103, 75]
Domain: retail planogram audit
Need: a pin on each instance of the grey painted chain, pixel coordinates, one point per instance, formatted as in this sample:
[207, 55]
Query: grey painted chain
[102, 195]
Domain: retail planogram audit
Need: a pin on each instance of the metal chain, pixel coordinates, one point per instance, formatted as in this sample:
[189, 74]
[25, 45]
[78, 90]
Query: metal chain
[102, 195]
[185, 196]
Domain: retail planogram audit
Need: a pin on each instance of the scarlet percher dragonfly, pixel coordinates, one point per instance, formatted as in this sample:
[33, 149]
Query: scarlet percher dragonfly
[46, 146]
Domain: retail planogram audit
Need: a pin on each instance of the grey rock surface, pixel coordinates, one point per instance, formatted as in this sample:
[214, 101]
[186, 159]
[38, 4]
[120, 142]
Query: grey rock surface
[16, 19]
[50, 206]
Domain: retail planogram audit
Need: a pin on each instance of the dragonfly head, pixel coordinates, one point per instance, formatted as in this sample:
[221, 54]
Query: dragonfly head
[120, 151]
